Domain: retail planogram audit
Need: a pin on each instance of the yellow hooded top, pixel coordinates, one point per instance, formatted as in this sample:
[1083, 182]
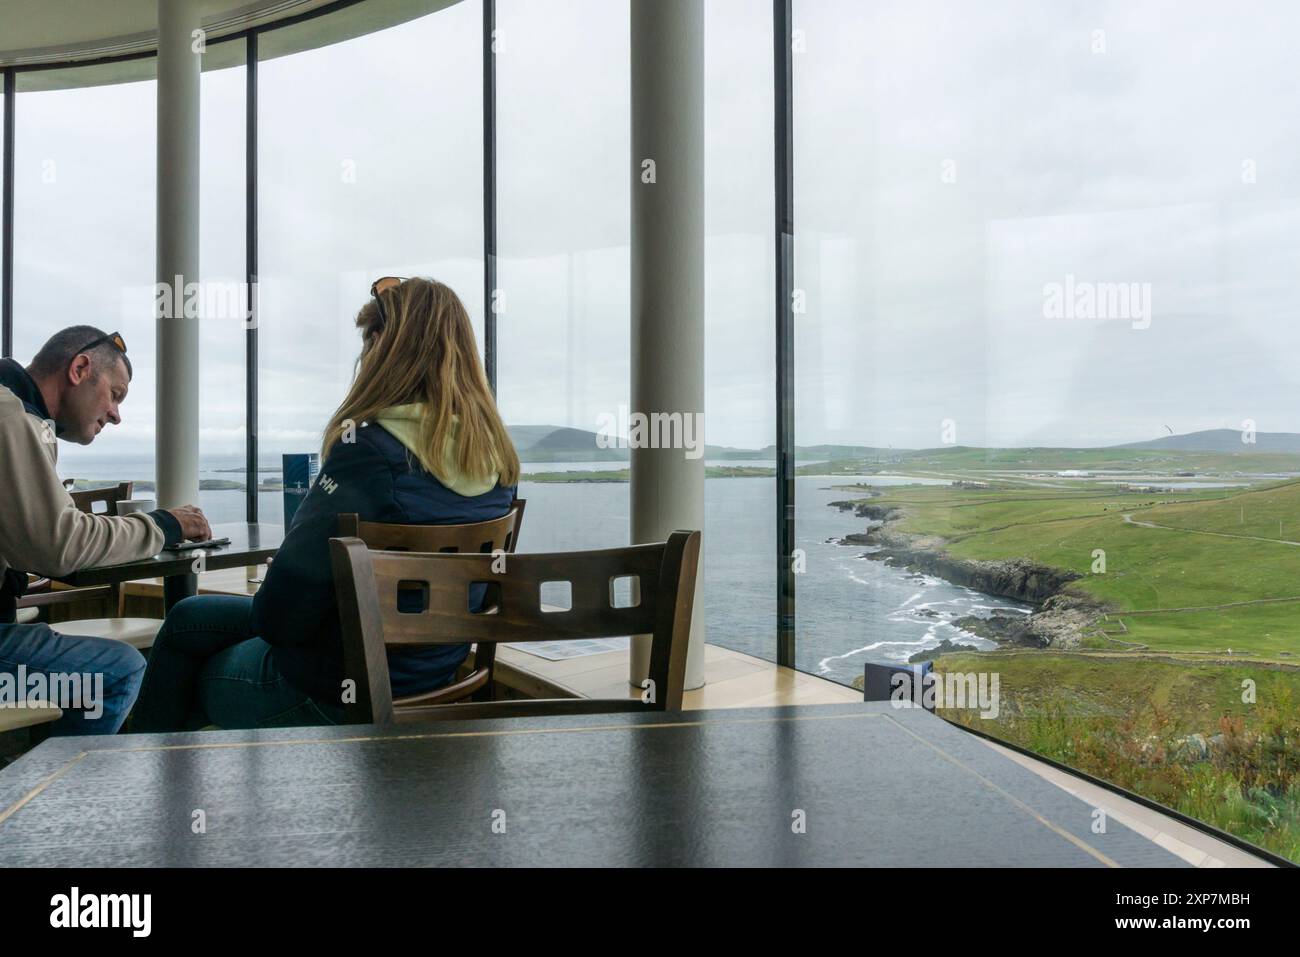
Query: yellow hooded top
[403, 423]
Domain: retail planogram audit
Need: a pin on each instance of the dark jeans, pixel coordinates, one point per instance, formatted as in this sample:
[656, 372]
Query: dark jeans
[206, 667]
[94, 680]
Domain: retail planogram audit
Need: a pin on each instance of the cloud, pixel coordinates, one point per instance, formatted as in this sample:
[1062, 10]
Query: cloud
[924, 295]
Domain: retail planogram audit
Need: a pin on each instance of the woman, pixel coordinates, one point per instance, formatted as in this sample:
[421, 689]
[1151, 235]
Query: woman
[417, 441]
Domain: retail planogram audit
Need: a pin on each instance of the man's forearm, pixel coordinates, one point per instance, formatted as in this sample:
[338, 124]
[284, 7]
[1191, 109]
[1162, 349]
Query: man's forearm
[42, 530]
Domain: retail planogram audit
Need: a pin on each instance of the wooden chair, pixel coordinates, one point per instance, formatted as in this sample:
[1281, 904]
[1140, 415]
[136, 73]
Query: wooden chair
[481, 538]
[368, 585]
[139, 633]
[109, 496]
[29, 612]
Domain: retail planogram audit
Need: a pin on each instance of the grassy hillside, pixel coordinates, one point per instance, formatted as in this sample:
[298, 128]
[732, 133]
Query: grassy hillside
[1203, 551]
[1271, 512]
[1131, 721]
[967, 458]
[1204, 591]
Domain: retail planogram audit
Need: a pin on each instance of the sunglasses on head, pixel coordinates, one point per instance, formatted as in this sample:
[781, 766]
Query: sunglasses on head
[383, 285]
[114, 337]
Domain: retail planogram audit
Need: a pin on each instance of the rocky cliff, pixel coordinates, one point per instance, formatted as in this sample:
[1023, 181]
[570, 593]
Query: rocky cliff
[1062, 615]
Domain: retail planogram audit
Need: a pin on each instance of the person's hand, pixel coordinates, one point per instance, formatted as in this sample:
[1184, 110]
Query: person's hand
[194, 525]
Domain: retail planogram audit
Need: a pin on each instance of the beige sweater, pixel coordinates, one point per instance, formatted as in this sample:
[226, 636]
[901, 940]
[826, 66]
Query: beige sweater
[41, 529]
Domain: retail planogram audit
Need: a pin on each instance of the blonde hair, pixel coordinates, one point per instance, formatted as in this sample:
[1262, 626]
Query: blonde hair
[426, 352]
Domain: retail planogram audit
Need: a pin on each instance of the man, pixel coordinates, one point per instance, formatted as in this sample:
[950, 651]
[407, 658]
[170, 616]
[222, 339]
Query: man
[72, 389]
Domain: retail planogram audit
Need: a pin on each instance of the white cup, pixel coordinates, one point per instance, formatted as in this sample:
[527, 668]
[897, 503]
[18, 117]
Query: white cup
[128, 505]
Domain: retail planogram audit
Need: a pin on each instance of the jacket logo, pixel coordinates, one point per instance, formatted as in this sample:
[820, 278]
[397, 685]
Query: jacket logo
[328, 484]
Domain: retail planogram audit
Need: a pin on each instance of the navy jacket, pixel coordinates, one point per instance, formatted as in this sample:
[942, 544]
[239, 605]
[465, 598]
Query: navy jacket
[295, 610]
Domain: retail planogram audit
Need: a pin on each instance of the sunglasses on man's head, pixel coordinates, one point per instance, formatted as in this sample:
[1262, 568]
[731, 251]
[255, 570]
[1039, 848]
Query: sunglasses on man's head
[114, 337]
[383, 285]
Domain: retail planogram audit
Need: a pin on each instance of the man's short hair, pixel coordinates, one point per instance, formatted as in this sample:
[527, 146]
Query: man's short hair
[58, 352]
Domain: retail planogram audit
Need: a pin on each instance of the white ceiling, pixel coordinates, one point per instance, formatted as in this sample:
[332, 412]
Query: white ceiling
[51, 31]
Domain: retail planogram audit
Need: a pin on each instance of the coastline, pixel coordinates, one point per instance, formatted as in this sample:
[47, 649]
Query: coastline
[1061, 617]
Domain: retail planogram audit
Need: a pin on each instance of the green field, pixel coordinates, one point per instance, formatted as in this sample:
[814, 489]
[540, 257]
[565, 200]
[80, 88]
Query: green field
[1128, 722]
[1200, 592]
[1204, 552]
[968, 459]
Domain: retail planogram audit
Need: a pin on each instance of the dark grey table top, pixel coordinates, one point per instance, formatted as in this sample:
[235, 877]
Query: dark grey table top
[874, 786]
[250, 544]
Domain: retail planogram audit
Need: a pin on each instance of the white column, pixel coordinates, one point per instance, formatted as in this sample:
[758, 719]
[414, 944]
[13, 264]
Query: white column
[177, 431]
[667, 44]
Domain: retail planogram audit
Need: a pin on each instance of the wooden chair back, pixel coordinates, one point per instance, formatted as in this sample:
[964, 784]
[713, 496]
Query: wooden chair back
[87, 499]
[661, 603]
[495, 535]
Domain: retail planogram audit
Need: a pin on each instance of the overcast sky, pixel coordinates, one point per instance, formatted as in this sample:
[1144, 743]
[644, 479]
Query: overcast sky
[951, 160]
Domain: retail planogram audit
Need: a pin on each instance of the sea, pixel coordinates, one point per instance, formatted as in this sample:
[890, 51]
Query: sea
[849, 610]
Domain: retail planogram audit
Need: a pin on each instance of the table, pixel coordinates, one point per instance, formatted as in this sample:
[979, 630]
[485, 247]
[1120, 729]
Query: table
[251, 543]
[872, 785]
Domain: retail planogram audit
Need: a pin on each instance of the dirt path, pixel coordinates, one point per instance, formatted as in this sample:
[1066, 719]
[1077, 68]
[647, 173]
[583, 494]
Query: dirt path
[1128, 517]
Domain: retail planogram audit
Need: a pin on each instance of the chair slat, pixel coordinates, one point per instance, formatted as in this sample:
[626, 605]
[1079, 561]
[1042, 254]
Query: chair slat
[368, 584]
[498, 534]
[87, 499]
[446, 619]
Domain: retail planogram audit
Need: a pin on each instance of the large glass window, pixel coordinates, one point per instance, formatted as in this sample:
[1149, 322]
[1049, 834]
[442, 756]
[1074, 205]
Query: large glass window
[1047, 318]
[369, 165]
[563, 300]
[223, 325]
[1044, 299]
[740, 361]
[84, 201]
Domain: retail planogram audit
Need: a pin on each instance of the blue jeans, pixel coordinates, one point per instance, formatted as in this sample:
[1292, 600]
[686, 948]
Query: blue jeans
[109, 676]
[207, 667]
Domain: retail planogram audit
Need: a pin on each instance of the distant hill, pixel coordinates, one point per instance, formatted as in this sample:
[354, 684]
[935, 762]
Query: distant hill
[525, 436]
[572, 445]
[1221, 440]
[806, 453]
[847, 452]
[564, 439]
[554, 443]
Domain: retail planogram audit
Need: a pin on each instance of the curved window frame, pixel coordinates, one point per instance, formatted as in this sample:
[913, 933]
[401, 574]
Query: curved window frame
[784, 581]
[782, 291]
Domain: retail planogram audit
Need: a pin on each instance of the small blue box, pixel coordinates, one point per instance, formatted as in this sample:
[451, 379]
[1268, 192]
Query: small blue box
[300, 470]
